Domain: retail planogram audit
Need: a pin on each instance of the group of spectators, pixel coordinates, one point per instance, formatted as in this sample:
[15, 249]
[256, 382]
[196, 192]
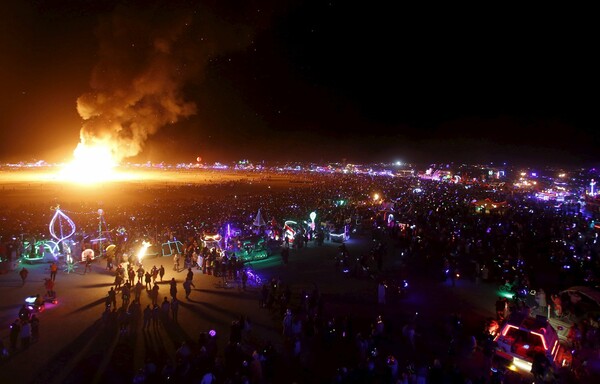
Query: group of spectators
[435, 228]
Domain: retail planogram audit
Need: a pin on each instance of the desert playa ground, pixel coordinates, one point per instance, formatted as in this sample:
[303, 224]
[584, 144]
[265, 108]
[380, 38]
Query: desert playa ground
[75, 346]
[26, 187]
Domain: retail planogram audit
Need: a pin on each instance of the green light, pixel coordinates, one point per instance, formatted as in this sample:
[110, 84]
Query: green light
[505, 294]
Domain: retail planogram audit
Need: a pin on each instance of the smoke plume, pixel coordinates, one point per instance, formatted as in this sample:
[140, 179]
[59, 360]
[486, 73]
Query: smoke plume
[146, 57]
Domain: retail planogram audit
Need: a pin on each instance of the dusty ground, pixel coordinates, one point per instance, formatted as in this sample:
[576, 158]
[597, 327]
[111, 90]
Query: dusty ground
[31, 187]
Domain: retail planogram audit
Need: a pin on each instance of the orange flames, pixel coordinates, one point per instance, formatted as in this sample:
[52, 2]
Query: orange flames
[91, 164]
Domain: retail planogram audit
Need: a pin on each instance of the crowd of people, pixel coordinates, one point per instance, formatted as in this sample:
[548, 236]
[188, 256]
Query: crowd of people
[435, 230]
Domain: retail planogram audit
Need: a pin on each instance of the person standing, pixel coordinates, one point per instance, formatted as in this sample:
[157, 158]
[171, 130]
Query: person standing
[88, 264]
[15, 332]
[540, 300]
[155, 316]
[187, 287]
[23, 273]
[154, 294]
[285, 255]
[118, 281]
[173, 289]
[141, 273]
[148, 280]
[138, 288]
[24, 313]
[131, 273]
[244, 277]
[485, 273]
[255, 368]
[49, 284]
[381, 293]
[125, 294]
[147, 317]
[501, 309]
[25, 333]
[112, 297]
[558, 309]
[176, 262]
[53, 270]
[35, 328]
[161, 272]
[165, 307]
[174, 308]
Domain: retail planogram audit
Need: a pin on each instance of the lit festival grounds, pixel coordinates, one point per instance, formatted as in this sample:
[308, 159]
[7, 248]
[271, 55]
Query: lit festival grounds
[76, 346]
[32, 186]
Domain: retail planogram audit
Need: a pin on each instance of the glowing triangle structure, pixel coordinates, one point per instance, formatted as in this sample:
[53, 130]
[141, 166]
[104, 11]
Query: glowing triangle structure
[258, 220]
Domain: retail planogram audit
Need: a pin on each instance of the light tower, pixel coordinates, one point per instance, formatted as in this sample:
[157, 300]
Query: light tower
[102, 229]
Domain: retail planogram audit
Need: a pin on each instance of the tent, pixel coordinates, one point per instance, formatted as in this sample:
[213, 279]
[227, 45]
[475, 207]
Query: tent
[258, 220]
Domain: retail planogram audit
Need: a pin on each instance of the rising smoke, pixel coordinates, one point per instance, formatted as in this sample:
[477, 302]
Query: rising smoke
[147, 55]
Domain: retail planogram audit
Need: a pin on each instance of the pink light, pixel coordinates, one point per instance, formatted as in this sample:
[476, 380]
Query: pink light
[506, 329]
[555, 349]
[541, 337]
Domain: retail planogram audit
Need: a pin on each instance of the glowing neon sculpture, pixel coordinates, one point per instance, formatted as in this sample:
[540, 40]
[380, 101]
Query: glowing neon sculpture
[58, 218]
[35, 250]
[288, 231]
[592, 184]
[170, 247]
[228, 235]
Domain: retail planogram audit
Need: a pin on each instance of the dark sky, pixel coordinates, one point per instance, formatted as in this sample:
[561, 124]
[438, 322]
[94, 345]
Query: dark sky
[299, 80]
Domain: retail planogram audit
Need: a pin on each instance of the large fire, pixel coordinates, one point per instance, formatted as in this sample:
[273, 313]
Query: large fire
[91, 164]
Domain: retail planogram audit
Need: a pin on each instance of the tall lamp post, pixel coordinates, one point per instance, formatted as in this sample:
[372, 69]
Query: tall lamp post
[100, 231]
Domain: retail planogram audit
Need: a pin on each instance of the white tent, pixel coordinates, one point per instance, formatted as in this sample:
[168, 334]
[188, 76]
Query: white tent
[258, 220]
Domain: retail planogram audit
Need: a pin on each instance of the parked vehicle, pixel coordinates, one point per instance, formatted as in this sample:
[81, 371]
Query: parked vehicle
[525, 342]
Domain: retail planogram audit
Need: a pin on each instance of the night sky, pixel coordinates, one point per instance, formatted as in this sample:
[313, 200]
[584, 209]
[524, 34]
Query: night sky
[299, 81]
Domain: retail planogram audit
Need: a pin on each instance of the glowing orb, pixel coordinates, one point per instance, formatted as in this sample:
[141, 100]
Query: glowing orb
[198, 159]
[87, 253]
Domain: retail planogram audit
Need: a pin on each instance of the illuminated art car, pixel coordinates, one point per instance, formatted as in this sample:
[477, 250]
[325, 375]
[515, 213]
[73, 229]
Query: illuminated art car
[523, 338]
[251, 248]
[290, 229]
[213, 241]
[340, 234]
